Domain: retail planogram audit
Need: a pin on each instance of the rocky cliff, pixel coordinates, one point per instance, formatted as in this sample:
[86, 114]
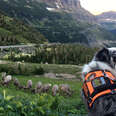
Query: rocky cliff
[73, 7]
[65, 4]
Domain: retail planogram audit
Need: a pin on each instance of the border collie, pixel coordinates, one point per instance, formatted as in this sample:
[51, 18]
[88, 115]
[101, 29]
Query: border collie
[104, 59]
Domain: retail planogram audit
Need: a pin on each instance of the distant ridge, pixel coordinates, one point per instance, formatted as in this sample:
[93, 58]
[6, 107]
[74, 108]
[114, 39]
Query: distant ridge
[107, 20]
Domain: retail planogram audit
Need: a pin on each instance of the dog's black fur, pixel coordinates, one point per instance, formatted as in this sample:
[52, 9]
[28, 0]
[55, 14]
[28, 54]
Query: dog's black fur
[106, 56]
[105, 105]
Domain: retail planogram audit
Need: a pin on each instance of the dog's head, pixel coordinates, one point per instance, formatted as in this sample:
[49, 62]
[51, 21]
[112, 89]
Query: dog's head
[107, 55]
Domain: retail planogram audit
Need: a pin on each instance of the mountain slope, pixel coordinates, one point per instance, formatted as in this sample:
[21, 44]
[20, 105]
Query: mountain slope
[16, 32]
[73, 7]
[57, 24]
[107, 20]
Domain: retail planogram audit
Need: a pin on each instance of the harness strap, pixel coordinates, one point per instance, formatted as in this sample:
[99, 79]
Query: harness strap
[99, 95]
[103, 88]
[92, 92]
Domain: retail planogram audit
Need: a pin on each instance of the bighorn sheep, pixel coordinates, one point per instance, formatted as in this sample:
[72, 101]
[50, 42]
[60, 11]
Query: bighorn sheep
[55, 90]
[29, 84]
[66, 89]
[17, 83]
[37, 88]
[45, 87]
[39, 85]
[7, 79]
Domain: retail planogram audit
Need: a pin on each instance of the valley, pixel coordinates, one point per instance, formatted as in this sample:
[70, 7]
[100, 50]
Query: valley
[48, 42]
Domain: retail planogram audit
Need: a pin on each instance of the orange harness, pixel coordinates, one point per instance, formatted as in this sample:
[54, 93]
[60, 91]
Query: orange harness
[98, 83]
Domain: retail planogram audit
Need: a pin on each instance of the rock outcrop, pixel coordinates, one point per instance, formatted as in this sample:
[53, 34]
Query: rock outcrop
[73, 7]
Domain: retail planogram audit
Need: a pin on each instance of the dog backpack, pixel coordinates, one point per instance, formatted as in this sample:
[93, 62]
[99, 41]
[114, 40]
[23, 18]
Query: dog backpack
[98, 83]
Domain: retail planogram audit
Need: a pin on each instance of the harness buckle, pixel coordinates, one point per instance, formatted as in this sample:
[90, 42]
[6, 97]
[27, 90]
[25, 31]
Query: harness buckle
[89, 100]
[113, 91]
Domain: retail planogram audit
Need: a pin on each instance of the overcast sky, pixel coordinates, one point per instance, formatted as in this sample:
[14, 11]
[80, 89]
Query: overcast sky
[99, 6]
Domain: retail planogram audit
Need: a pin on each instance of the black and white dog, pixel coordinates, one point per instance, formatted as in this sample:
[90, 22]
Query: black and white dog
[105, 59]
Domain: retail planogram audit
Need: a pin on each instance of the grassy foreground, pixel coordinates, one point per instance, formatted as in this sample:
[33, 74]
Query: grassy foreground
[72, 105]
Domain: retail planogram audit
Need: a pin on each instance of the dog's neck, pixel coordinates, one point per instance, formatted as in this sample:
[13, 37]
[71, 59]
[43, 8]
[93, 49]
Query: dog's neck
[95, 65]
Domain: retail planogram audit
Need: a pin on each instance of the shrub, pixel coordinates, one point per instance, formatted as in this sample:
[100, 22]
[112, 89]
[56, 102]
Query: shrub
[21, 69]
[25, 106]
[39, 70]
[4, 68]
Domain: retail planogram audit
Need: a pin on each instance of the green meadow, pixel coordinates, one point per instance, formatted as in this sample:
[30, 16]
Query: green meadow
[69, 105]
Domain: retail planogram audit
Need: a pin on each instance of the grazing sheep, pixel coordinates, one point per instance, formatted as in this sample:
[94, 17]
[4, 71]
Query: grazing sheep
[16, 82]
[65, 89]
[7, 80]
[29, 84]
[38, 85]
[37, 88]
[45, 87]
[55, 90]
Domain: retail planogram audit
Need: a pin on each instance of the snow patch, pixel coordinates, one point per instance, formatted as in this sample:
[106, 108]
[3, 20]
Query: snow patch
[5, 0]
[57, 5]
[111, 20]
[50, 9]
[28, 6]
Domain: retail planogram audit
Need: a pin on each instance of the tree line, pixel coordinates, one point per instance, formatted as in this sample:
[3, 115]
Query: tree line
[59, 54]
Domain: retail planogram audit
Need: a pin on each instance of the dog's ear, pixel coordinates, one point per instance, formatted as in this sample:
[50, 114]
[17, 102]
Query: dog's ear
[103, 55]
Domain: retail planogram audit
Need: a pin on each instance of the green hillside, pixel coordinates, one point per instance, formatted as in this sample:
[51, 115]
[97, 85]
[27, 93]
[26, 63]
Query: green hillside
[16, 32]
[55, 26]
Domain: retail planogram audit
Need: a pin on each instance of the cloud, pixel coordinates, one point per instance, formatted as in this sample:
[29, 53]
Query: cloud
[99, 6]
